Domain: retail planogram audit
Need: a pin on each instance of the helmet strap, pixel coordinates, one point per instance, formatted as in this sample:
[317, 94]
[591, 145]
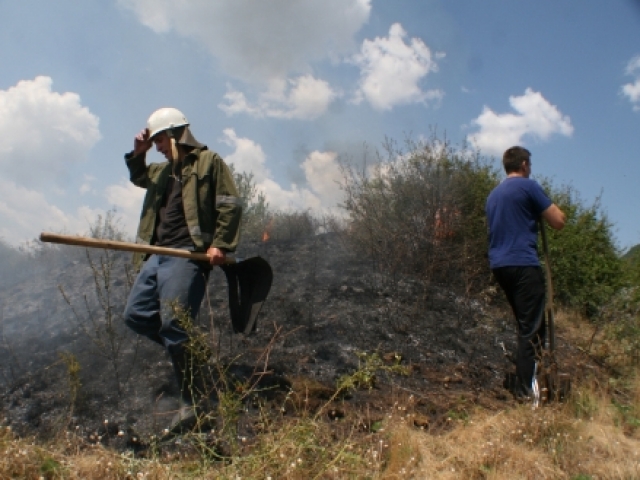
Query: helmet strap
[174, 149]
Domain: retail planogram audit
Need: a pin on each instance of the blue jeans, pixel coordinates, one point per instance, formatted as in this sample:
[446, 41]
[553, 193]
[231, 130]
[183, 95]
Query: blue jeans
[165, 287]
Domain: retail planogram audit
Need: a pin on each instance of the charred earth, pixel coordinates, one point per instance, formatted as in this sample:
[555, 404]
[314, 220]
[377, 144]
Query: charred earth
[69, 363]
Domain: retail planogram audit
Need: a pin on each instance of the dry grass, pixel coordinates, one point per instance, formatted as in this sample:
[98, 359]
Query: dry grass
[585, 438]
[548, 443]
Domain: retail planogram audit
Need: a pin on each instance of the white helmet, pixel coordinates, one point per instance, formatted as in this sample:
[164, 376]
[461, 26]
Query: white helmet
[165, 119]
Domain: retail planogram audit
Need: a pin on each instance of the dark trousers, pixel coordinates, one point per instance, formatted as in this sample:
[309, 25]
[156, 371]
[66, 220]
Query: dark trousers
[525, 290]
[165, 287]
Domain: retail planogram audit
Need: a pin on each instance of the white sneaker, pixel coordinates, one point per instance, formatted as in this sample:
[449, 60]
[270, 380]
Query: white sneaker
[535, 387]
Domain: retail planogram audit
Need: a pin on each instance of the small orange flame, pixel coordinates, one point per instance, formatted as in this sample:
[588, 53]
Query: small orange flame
[267, 229]
[443, 228]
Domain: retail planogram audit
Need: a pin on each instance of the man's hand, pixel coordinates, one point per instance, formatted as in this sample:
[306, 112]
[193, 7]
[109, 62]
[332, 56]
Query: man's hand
[142, 143]
[216, 256]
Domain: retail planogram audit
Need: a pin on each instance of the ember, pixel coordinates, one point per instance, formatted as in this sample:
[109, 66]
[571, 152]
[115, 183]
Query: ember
[266, 234]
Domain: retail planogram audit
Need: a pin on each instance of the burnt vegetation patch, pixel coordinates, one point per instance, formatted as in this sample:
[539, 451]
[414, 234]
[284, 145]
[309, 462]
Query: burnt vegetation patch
[390, 309]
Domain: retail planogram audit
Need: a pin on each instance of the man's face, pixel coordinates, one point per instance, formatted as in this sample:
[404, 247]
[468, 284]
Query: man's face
[526, 168]
[163, 145]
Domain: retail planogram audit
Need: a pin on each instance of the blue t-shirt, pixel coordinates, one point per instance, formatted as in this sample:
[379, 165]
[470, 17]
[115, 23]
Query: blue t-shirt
[513, 209]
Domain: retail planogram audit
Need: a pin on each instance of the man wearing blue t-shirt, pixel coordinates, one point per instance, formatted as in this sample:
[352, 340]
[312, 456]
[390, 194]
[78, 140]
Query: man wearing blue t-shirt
[513, 209]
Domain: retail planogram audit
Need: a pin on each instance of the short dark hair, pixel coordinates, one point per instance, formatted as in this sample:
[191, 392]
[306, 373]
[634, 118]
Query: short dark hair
[513, 158]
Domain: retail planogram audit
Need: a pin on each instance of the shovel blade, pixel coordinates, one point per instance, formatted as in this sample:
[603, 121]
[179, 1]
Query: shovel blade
[249, 282]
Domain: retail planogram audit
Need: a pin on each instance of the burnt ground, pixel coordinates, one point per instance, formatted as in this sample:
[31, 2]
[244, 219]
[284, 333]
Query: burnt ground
[69, 363]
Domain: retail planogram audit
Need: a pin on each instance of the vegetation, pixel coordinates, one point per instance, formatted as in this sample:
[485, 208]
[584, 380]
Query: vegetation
[586, 437]
[417, 212]
[256, 212]
[587, 266]
[260, 222]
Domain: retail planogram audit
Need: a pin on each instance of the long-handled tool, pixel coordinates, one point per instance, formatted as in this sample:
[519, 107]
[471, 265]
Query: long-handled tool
[249, 279]
[554, 386]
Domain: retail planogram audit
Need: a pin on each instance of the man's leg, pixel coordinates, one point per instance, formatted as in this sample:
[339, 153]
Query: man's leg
[525, 291]
[181, 287]
[142, 312]
[529, 301]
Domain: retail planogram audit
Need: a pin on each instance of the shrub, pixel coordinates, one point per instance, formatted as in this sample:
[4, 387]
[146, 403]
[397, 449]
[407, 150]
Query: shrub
[108, 227]
[292, 225]
[255, 212]
[260, 222]
[586, 264]
[420, 211]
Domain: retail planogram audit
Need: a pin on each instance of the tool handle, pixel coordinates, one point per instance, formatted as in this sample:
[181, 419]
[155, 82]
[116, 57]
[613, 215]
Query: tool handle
[547, 260]
[126, 246]
[549, 284]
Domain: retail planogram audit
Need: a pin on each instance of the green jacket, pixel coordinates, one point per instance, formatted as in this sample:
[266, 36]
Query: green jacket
[212, 206]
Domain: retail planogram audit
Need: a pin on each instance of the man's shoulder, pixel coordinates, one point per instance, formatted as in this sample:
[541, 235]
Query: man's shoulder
[206, 155]
[516, 183]
[520, 181]
[206, 162]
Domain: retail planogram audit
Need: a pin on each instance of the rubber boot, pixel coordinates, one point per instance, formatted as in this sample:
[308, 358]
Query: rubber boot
[193, 380]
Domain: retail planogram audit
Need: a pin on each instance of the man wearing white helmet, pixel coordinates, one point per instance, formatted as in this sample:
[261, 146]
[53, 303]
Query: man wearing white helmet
[191, 203]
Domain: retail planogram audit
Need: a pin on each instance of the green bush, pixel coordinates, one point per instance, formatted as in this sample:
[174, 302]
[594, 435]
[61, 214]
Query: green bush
[586, 264]
[421, 211]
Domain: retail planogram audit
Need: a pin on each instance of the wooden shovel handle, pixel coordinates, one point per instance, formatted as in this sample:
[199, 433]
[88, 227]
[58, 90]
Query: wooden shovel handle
[549, 285]
[126, 246]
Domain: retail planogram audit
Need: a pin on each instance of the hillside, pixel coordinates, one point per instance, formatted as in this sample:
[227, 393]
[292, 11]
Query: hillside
[325, 308]
[343, 365]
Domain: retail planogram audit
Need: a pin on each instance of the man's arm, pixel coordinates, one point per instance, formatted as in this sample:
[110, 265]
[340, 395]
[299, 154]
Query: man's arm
[141, 142]
[229, 213]
[136, 159]
[554, 217]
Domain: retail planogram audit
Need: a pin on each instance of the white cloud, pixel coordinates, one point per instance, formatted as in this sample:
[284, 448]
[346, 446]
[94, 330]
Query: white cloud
[43, 132]
[323, 175]
[321, 171]
[632, 90]
[536, 118]
[127, 200]
[248, 156]
[391, 70]
[258, 40]
[87, 184]
[303, 98]
[269, 45]
[24, 213]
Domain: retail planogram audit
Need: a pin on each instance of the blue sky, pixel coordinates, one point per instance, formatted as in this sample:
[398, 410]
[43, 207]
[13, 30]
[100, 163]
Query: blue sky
[285, 88]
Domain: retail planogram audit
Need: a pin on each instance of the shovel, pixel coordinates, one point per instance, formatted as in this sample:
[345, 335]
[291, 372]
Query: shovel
[554, 386]
[249, 280]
